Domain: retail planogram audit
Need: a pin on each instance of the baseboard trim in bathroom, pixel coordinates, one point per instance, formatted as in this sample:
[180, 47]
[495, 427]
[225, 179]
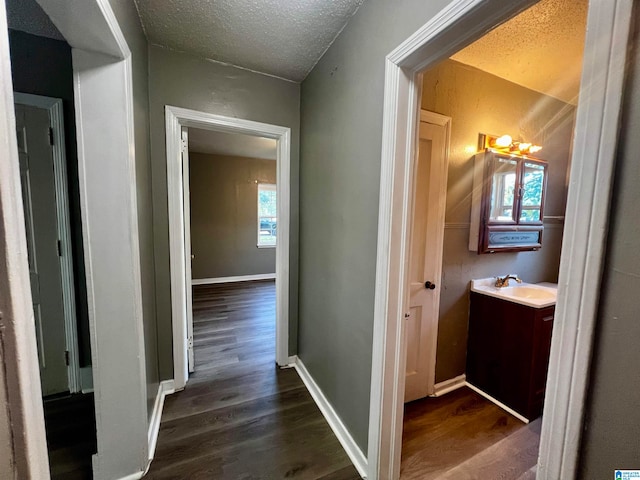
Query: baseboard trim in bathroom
[450, 385]
[497, 402]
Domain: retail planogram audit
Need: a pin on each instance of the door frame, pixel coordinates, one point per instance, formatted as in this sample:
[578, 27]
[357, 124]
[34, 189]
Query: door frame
[103, 90]
[445, 122]
[175, 119]
[56, 123]
[587, 213]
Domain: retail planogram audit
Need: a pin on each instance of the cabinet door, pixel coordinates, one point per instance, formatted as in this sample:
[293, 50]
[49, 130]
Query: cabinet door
[534, 181]
[516, 351]
[541, 351]
[484, 344]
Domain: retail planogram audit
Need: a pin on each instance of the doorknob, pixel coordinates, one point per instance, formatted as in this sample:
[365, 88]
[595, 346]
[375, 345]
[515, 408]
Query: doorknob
[429, 285]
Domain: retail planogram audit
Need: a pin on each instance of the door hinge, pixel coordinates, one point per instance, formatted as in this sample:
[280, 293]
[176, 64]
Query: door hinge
[50, 136]
[190, 342]
[59, 248]
[66, 357]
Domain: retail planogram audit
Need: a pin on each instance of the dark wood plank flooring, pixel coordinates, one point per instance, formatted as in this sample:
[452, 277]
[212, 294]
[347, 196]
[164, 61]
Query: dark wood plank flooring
[463, 436]
[240, 416]
[70, 424]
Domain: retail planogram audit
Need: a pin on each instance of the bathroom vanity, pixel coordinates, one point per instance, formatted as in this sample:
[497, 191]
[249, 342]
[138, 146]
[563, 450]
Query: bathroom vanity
[509, 343]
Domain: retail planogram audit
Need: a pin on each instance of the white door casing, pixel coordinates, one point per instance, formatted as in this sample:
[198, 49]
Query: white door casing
[41, 225]
[187, 247]
[425, 257]
[456, 26]
[176, 119]
[104, 108]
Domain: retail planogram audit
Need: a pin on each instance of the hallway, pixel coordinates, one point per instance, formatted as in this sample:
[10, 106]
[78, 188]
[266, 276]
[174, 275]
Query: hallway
[240, 416]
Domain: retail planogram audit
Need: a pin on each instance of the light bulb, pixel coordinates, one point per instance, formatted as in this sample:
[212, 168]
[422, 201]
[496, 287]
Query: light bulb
[504, 141]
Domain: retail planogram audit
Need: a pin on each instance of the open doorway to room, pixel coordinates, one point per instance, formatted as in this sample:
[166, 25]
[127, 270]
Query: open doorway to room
[505, 210]
[42, 77]
[240, 222]
[475, 379]
[233, 221]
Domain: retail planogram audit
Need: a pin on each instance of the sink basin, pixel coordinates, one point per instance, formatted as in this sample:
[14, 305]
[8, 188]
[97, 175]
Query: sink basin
[527, 291]
[531, 295]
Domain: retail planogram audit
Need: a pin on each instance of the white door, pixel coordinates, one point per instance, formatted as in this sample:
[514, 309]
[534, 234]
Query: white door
[187, 247]
[425, 269]
[41, 222]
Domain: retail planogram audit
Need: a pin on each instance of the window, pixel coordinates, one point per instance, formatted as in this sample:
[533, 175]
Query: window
[267, 211]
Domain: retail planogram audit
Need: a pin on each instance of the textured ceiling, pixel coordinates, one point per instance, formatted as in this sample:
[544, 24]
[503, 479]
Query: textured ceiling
[540, 49]
[284, 38]
[28, 16]
[231, 144]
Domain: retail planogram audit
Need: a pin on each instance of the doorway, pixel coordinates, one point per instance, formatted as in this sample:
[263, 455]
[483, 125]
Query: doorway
[505, 209]
[231, 214]
[456, 27]
[177, 119]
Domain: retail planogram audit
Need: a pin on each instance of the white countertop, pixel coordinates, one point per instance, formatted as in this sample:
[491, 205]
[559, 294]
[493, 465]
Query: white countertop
[528, 294]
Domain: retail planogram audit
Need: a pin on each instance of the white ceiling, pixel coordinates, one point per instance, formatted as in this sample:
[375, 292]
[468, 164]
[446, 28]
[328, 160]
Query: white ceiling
[231, 144]
[540, 49]
[284, 38]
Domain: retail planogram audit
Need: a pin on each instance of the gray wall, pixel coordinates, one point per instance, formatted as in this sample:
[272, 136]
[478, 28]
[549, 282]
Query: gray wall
[480, 102]
[42, 66]
[612, 424]
[224, 215]
[7, 468]
[129, 22]
[339, 187]
[187, 81]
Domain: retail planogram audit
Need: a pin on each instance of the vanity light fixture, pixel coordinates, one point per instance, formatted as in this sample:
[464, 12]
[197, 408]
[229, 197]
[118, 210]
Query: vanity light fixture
[505, 144]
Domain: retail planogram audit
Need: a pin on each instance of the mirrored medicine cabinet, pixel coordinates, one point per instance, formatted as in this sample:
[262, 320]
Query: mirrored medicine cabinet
[507, 202]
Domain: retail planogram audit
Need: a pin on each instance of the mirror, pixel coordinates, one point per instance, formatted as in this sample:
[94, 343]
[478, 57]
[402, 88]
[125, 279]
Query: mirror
[503, 191]
[532, 187]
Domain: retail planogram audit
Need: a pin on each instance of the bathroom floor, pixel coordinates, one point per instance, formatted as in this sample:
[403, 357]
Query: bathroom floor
[462, 435]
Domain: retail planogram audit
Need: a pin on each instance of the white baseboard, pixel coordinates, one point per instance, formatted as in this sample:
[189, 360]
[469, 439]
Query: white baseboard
[241, 278]
[450, 385]
[134, 476]
[497, 402]
[86, 379]
[164, 388]
[348, 443]
[292, 361]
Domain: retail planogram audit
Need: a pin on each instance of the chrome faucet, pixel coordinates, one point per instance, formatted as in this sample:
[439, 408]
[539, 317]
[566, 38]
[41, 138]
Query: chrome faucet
[504, 281]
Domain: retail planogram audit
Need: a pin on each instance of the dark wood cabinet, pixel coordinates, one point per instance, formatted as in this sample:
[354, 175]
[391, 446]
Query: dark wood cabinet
[508, 352]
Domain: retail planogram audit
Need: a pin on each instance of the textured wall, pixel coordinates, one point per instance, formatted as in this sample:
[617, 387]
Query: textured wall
[612, 423]
[224, 215]
[42, 66]
[339, 186]
[480, 102]
[129, 22]
[187, 81]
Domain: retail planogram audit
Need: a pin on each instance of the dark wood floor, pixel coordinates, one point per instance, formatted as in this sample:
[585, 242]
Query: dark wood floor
[71, 436]
[463, 436]
[240, 417]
